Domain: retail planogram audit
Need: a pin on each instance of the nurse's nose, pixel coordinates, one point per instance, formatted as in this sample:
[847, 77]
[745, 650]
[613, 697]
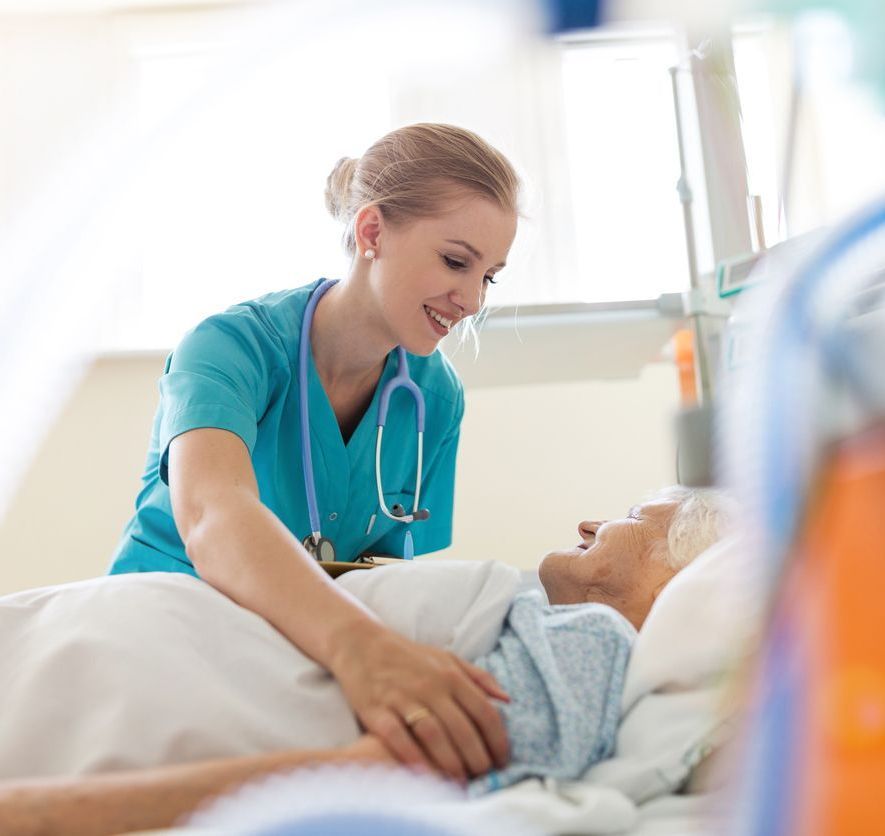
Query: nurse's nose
[470, 297]
[587, 529]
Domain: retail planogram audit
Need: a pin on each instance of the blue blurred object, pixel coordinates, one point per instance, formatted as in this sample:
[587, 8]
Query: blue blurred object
[356, 824]
[770, 790]
[566, 15]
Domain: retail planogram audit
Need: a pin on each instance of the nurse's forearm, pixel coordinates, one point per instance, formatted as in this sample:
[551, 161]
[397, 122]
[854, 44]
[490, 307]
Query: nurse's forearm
[144, 799]
[242, 549]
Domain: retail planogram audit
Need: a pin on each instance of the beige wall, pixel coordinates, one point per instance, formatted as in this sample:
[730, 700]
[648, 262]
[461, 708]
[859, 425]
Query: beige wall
[537, 459]
[72, 504]
[534, 460]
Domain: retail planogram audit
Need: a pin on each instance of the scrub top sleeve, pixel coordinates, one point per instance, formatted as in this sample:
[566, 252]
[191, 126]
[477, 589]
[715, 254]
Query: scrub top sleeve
[219, 376]
[437, 495]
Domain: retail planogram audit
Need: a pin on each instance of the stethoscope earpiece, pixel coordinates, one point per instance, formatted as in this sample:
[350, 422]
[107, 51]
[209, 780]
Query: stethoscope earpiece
[417, 515]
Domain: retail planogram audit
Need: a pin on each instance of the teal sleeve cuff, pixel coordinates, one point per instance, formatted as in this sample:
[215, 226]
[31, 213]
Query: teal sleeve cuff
[200, 416]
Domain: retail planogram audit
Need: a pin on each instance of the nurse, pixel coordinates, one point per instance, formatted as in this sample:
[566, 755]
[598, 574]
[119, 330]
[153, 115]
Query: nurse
[430, 215]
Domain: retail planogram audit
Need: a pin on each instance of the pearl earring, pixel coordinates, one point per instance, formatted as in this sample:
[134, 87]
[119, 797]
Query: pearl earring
[370, 254]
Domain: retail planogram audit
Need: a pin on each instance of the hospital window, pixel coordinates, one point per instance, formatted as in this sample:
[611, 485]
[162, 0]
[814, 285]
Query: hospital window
[754, 47]
[623, 167]
[838, 128]
[231, 203]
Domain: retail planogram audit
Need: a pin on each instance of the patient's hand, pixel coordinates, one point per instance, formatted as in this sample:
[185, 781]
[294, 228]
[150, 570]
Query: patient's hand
[369, 748]
[430, 708]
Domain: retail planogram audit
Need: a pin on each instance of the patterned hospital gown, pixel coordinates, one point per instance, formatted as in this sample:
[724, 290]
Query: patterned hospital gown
[563, 667]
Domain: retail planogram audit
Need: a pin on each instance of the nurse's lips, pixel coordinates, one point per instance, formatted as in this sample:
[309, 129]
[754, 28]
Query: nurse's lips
[439, 321]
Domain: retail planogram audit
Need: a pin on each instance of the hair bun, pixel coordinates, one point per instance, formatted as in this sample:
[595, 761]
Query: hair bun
[338, 188]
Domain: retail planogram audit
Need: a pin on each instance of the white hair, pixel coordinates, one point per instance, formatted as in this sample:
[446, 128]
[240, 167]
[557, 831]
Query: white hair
[702, 518]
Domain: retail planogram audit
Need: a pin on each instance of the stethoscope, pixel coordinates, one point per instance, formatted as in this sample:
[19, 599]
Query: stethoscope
[322, 548]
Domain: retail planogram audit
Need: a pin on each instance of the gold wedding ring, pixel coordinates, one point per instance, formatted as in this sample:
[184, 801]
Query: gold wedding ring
[414, 716]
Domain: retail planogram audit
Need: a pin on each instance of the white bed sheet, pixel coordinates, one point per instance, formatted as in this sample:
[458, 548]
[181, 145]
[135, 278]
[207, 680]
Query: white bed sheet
[138, 670]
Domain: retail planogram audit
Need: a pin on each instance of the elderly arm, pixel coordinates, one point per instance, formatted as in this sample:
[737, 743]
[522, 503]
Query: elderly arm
[152, 798]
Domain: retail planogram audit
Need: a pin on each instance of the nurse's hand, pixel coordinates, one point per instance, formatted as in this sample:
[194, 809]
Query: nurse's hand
[428, 707]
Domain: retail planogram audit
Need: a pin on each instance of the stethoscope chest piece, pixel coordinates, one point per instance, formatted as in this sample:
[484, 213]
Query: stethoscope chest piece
[323, 549]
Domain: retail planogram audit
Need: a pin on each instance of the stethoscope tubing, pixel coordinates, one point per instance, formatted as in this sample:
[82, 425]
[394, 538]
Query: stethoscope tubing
[381, 503]
[304, 408]
[400, 380]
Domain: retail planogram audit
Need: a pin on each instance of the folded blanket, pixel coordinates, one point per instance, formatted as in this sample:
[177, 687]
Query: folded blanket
[564, 668]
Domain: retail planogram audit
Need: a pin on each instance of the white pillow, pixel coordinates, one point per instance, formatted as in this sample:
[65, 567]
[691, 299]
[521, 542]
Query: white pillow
[673, 704]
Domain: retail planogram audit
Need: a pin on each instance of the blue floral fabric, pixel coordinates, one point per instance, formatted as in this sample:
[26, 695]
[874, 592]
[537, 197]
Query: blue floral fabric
[563, 667]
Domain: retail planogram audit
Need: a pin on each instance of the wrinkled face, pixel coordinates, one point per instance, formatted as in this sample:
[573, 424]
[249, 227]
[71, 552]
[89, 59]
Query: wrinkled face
[617, 562]
[431, 273]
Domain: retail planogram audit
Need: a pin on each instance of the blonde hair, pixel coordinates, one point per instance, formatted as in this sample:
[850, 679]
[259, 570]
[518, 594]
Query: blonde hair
[411, 171]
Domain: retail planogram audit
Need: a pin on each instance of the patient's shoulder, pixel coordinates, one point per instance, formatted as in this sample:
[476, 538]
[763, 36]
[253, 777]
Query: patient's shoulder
[598, 620]
[592, 618]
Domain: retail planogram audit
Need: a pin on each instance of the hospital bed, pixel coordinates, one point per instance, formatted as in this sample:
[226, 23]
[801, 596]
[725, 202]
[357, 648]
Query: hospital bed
[184, 674]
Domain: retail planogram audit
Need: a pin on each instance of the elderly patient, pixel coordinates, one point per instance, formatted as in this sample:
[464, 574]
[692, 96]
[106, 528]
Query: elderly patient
[625, 563]
[562, 660]
[567, 661]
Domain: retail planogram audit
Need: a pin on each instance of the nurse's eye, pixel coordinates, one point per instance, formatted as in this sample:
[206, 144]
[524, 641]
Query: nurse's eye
[454, 263]
[491, 280]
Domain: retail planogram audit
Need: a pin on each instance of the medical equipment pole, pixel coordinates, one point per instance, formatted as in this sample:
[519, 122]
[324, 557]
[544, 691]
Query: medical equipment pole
[703, 383]
[683, 187]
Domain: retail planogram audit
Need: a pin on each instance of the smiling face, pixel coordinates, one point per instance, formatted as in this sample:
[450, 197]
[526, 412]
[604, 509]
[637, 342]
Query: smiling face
[618, 562]
[430, 273]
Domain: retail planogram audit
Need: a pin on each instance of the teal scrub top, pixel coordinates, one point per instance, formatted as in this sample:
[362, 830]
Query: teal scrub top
[238, 371]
